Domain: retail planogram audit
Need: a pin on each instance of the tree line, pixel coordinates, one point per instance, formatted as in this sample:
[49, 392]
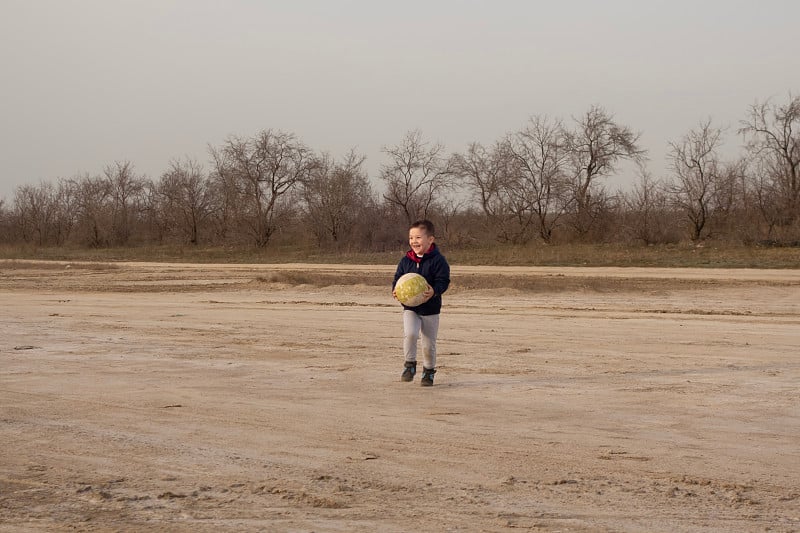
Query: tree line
[545, 183]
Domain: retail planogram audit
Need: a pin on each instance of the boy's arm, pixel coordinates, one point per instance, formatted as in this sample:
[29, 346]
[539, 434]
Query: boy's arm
[441, 278]
[397, 273]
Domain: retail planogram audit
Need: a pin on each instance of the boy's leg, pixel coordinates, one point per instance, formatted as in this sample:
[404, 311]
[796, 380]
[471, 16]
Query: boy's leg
[430, 330]
[411, 328]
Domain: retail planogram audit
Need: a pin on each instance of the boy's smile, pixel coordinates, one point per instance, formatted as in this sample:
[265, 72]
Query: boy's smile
[419, 240]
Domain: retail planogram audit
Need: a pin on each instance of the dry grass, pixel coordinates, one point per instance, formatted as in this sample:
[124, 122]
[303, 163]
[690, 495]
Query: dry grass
[533, 283]
[317, 279]
[15, 264]
[115, 277]
[670, 256]
[616, 255]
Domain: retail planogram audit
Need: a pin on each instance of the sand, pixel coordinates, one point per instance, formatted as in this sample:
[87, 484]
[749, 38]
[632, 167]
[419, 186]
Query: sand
[163, 397]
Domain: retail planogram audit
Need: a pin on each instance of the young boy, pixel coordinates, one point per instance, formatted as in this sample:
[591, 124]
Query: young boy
[422, 321]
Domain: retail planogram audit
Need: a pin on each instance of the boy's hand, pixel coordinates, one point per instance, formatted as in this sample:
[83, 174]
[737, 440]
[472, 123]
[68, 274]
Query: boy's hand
[428, 294]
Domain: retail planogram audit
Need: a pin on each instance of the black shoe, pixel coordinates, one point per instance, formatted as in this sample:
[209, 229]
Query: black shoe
[408, 371]
[427, 377]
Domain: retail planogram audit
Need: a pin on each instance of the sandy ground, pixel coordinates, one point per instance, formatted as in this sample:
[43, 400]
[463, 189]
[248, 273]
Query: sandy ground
[218, 398]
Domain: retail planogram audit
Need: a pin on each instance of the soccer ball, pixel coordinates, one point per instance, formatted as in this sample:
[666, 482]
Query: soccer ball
[409, 289]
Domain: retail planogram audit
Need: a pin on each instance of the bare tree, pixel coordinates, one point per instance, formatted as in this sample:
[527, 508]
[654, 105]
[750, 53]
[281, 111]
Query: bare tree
[730, 200]
[44, 214]
[158, 220]
[596, 147]
[263, 169]
[482, 170]
[335, 196]
[698, 170]
[762, 191]
[416, 174]
[772, 132]
[125, 189]
[5, 223]
[185, 190]
[647, 210]
[66, 210]
[451, 229]
[94, 212]
[224, 189]
[35, 211]
[485, 173]
[538, 173]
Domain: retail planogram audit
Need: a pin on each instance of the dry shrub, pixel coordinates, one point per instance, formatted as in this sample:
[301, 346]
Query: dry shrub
[531, 283]
[323, 279]
[53, 265]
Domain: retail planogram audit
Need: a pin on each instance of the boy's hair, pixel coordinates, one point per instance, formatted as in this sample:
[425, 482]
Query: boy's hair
[426, 225]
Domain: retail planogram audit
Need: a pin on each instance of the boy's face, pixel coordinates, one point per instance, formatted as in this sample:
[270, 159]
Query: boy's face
[419, 240]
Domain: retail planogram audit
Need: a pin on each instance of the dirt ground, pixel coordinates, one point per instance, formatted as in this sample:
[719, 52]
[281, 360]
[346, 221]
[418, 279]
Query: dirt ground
[257, 398]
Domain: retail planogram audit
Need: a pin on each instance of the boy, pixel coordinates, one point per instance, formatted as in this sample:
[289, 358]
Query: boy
[423, 258]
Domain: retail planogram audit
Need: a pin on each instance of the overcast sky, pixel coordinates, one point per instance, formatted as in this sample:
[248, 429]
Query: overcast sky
[89, 82]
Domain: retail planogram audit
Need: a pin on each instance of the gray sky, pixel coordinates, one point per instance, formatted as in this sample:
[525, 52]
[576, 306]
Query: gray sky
[89, 82]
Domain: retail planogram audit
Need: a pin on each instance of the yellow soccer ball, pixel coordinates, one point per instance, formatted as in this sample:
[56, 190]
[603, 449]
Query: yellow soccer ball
[409, 289]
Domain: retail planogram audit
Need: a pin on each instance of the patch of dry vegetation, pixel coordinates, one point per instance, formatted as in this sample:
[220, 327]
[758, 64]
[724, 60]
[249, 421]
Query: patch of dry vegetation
[54, 265]
[160, 277]
[317, 279]
[669, 256]
[527, 283]
[618, 255]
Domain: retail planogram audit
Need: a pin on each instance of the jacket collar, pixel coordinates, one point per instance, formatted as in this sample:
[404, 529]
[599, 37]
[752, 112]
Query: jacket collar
[417, 259]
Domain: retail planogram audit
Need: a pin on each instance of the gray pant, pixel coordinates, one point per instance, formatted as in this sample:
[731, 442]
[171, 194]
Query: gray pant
[420, 327]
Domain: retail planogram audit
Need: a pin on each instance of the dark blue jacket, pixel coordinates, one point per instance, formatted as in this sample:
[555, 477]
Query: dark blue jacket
[435, 269]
